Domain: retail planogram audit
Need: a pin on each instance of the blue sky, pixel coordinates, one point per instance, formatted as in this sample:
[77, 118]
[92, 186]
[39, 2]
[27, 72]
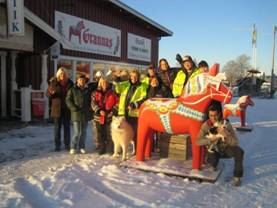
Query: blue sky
[213, 30]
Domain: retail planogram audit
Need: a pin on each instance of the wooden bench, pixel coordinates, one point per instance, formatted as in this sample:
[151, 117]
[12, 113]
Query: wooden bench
[175, 146]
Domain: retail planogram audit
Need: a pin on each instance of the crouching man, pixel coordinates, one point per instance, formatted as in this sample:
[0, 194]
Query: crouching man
[224, 142]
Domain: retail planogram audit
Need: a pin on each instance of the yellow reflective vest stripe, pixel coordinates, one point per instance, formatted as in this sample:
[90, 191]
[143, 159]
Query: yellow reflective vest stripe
[179, 81]
[140, 93]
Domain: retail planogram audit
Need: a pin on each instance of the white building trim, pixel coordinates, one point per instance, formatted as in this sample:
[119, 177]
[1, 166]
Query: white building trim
[73, 58]
[13, 82]
[3, 68]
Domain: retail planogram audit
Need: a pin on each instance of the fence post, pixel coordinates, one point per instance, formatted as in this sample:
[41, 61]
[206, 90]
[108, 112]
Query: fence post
[44, 84]
[26, 104]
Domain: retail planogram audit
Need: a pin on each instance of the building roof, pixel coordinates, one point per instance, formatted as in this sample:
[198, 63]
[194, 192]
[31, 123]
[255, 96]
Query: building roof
[45, 27]
[166, 32]
[67, 45]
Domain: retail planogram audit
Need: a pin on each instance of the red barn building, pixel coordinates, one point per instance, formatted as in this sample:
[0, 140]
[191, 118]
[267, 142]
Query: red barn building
[85, 36]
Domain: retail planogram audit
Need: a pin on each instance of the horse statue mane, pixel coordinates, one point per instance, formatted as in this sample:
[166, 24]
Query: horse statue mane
[198, 84]
[239, 108]
[182, 115]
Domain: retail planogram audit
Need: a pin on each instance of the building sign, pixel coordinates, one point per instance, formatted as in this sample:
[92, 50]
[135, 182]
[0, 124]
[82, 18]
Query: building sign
[88, 36]
[25, 42]
[15, 11]
[139, 48]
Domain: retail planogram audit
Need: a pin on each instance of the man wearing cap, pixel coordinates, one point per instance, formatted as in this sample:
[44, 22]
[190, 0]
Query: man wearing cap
[188, 71]
[78, 101]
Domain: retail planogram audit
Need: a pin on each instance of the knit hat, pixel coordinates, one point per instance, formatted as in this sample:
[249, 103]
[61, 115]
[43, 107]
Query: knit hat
[187, 58]
[99, 74]
[82, 76]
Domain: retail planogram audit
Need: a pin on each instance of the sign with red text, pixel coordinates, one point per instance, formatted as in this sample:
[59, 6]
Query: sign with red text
[139, 48]
[15, 17]
[88, 36]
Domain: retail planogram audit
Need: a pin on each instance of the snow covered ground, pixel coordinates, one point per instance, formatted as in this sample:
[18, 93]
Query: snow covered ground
[33, 175]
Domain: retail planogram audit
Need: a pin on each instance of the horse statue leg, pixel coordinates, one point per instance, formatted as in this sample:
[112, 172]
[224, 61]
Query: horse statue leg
[196, 151]
[242, 117]
[149, 143]
[142, 140]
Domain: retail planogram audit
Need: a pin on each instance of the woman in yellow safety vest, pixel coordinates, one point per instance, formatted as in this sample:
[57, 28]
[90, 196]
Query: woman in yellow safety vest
[132, 94]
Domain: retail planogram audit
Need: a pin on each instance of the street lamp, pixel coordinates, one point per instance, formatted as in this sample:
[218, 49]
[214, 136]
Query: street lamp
[272, 90]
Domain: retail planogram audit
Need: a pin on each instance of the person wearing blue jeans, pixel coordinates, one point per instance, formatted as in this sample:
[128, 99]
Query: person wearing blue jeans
[78, 101]
[79, 136]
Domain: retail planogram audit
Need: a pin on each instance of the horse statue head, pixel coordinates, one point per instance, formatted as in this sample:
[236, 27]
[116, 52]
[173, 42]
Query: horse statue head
[210, 83]
[244, 101]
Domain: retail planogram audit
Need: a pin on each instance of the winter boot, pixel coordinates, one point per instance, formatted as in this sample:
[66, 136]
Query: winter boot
[72, 151]
[83, 151]
[236, 181]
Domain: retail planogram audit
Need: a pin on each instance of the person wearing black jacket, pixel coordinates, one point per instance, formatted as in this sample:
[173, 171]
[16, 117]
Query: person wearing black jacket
[155, 89]
[78, 101]
[167, 75]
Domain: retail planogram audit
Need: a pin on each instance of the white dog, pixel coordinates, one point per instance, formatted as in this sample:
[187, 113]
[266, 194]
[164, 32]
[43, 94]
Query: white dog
[122, 135]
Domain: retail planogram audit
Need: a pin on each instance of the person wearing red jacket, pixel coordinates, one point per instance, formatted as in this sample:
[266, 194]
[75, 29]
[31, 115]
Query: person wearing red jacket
[104, 105]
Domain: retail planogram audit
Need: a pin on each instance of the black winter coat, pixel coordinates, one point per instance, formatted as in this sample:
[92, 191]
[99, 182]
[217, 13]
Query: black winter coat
[78, 101]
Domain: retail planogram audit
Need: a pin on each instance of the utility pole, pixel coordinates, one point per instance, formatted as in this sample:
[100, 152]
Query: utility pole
[272, 87]
[254, 46]
[254, 56]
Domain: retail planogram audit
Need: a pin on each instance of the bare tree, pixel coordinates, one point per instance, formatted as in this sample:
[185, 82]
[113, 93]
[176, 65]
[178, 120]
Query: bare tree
[236, 69]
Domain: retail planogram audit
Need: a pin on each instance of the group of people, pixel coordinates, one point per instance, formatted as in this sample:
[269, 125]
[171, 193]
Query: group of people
[105, 97]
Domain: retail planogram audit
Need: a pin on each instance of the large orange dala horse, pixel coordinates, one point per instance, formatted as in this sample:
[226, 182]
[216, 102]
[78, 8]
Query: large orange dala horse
[183, 115]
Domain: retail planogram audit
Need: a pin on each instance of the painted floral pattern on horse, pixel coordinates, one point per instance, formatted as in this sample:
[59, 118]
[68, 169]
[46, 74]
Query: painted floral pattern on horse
[164, 107]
